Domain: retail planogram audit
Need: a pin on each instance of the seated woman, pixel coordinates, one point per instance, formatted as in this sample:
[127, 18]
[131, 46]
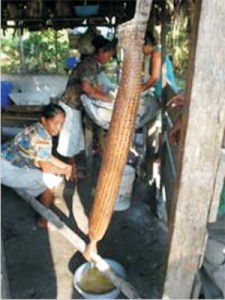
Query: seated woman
[83, 80]
[155, 79]
[27, 162]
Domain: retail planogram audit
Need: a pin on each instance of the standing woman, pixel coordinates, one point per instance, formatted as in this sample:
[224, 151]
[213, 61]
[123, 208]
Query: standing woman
[27, 162]
[155, 79]
[83, 80]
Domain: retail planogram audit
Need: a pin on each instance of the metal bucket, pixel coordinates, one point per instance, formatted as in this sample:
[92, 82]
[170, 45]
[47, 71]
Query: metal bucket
[123, 201]
[109, 295]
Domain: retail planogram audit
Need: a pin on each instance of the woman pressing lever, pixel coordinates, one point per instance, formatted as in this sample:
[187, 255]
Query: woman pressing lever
[27, 162]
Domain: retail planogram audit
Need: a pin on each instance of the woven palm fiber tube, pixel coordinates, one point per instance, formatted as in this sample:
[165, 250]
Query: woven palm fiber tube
[120, 132]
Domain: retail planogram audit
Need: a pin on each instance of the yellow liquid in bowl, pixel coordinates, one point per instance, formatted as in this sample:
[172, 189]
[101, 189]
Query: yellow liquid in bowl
[94, 282]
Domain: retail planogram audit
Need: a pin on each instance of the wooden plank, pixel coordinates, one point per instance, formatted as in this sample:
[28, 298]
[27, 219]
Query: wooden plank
[168, 172]
[24, 108]
[201, 139]
[169, 151]
[19, 118]
[197, 286]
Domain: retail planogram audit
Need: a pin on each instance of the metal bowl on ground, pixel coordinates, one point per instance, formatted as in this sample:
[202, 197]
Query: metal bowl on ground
[111, 294]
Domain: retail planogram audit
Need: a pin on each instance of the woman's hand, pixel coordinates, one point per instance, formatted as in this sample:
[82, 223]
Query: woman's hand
[56, 167]
[68, 172]
[95, 92]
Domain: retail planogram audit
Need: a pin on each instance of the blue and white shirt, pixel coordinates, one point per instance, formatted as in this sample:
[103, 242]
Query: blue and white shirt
[31, 145]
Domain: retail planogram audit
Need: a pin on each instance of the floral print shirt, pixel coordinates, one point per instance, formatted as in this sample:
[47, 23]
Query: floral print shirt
[88, 69]
[31, 145]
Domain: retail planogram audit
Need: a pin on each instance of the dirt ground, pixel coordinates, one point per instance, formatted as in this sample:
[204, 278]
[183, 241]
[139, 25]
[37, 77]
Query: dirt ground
[40, 263]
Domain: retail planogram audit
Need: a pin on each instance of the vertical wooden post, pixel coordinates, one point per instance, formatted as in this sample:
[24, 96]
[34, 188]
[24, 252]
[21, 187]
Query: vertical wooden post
[56, 50]
[201, 139]
[21, 50]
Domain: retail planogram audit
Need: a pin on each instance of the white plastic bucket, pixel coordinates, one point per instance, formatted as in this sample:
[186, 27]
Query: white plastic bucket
[125, 192]
[118, 268]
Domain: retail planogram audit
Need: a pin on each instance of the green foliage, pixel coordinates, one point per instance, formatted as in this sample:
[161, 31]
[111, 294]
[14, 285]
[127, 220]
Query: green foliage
[9, 53]
[41, 52]
[177, 45]
[43, 55]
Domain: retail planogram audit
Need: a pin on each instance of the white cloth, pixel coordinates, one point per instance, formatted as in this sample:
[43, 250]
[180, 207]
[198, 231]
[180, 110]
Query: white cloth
[31, 98]
[71, 138]
[101, 112]
[105, 83]
[33, 181]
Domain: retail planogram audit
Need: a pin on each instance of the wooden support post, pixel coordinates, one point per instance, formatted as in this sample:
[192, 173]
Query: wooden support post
[21, 50]
[201, 139]
[218, 186]
[80, 245]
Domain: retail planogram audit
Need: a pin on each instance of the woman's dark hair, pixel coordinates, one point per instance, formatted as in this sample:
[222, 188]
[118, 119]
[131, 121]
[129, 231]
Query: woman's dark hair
[100, 43]
[149, 38]
[51, 110]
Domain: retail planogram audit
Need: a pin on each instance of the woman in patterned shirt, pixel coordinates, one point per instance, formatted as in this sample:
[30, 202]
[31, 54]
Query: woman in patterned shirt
[27, 162]
[83, 79]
